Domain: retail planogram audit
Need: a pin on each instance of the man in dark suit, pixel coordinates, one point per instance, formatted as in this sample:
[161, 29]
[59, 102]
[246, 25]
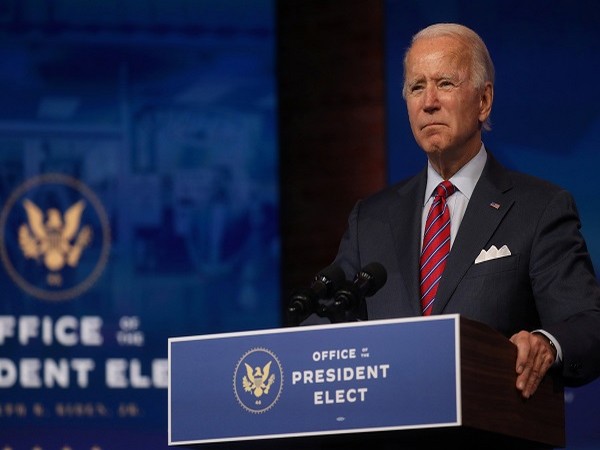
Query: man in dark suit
[517, 259]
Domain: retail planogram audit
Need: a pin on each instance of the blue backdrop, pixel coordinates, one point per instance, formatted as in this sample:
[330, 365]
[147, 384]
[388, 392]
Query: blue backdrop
[545, 118]
[139, 197]
[139, 201]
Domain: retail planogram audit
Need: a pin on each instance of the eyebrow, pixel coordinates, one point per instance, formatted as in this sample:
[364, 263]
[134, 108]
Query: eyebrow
[437, 77]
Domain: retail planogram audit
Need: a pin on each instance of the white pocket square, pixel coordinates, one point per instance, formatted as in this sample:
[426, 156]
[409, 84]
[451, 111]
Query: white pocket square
[492, 253]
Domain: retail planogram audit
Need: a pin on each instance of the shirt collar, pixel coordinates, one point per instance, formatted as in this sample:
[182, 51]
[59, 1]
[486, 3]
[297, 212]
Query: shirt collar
[464, 180]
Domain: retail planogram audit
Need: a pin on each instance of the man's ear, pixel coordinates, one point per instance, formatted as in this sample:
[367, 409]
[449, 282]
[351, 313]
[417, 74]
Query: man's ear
[485, 102]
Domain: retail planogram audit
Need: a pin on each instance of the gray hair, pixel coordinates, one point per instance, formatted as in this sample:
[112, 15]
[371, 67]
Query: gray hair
[482, 67]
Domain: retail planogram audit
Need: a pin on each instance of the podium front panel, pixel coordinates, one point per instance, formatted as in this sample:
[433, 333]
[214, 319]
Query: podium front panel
[315, 380]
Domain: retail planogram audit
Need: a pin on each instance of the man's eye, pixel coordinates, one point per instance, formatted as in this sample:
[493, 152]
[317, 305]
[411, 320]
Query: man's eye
[445, 84]
[416, 88]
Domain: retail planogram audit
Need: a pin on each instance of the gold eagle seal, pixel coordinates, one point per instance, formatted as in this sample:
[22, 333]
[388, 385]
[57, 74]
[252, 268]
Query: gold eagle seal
[54, 237]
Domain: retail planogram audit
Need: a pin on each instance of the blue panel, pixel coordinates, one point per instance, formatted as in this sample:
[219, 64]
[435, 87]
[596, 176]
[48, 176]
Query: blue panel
[288, 382]
[138, 201]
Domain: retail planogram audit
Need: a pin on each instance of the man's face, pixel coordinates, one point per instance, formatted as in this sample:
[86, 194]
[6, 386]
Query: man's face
[444, 109]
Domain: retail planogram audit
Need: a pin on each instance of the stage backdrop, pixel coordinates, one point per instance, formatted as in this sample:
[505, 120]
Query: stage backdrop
[138, 201]
[545, 117]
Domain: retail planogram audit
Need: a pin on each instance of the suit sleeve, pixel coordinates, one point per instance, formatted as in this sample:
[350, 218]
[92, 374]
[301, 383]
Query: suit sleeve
[566, 289]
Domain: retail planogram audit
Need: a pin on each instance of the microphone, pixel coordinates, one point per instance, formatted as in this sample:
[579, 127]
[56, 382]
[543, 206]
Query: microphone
[367, 282]
[305, 301]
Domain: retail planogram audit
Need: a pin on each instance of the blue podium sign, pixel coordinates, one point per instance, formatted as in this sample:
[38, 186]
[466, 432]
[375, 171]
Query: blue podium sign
[315, 380]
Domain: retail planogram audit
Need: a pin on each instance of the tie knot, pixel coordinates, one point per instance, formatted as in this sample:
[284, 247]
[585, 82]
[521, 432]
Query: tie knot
[445, 189]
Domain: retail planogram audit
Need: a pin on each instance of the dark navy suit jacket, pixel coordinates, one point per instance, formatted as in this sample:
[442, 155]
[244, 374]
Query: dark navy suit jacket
[547, 282]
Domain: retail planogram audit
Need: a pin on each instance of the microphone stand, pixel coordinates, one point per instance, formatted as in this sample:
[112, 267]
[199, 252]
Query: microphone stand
[348, 305]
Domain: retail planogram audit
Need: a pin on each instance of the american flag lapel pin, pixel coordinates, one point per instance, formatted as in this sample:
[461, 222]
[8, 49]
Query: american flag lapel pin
[495, 205]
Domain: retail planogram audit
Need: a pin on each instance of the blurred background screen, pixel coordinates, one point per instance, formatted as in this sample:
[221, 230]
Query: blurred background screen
[139, 192]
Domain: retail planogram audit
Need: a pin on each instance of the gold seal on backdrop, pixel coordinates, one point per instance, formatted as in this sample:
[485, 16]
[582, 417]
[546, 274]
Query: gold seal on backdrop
[54, 237]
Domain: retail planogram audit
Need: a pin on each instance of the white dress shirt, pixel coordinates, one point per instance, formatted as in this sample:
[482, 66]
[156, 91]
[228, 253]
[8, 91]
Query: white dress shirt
[464, 180]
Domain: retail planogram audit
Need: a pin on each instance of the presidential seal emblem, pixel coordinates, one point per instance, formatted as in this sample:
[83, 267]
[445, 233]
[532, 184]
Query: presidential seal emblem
[258, 380]
[54, 237]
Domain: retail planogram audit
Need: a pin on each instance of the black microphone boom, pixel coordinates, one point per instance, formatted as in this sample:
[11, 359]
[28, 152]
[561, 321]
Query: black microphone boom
[305, 301]
[367, 282]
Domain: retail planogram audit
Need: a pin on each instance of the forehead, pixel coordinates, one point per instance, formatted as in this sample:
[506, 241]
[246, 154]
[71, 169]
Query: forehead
[437, 55]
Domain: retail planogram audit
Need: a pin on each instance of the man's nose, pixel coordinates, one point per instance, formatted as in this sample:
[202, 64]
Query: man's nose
[430, 98]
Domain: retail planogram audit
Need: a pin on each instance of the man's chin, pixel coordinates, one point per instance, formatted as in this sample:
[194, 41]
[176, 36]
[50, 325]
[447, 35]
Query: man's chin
[432, 147]
[432, 139]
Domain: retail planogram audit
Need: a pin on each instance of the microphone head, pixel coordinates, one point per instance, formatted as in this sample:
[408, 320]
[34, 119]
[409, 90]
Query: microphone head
[305, 301]
[328, 280]
[375, 275]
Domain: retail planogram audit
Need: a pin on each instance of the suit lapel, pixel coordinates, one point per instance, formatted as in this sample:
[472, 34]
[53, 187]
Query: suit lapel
[405, 220]
[488, 205]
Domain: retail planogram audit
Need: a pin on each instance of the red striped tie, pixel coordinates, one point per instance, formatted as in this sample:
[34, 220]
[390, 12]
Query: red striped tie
[436, 245]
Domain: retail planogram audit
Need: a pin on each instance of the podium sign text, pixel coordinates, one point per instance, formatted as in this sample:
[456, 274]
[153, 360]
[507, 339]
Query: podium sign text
[303, 381]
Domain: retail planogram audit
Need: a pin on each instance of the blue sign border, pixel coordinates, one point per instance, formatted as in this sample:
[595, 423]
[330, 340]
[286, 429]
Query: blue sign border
[317, 380]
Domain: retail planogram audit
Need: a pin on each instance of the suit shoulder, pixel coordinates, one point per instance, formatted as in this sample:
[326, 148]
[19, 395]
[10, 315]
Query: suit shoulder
[393, 191]
[537, 194]
[526, 182]
[506, 178]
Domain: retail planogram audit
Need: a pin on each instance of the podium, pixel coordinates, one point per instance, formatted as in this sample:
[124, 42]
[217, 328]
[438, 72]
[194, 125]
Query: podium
[423, 382]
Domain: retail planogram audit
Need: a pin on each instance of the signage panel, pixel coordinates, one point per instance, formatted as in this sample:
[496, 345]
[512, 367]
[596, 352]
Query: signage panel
[329, 379]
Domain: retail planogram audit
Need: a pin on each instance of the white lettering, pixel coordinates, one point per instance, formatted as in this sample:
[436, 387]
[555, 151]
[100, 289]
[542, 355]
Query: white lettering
[7, 328]
[56, 373]
[351, 395]
[49, 373]
[333, 355]
[47, 333]
[138, 380]
[29, 327]
[91, 330]
[121, 373]
[115, 373]
[29, 369]
[66, 330]
[8, 373]
[296, 376]
[332, 375]
[83, 366]
[160, 373]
